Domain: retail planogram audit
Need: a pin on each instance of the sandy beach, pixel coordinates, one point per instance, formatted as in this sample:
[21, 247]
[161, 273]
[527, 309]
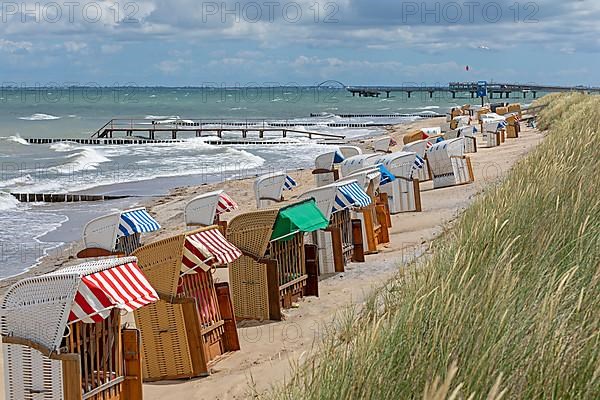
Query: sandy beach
[271, 349]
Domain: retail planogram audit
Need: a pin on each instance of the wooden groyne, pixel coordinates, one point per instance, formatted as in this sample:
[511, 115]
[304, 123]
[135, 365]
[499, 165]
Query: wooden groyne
[62, 197]
[111, 142]
[428, 115]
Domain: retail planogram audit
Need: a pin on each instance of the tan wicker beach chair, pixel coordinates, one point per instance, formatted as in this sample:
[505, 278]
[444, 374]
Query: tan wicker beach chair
[62, 336]
[192, 324]
[274, 271]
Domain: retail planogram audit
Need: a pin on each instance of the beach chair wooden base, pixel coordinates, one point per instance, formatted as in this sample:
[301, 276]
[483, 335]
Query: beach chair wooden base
[265, 290]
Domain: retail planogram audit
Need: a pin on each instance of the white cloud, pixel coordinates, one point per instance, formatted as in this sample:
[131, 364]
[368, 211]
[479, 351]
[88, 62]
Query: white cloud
[170, 67]
[111, 48]
[15, 47]
[74, 47]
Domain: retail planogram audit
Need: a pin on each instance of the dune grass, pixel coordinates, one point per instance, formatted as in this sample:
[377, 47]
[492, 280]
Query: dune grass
[508, 304]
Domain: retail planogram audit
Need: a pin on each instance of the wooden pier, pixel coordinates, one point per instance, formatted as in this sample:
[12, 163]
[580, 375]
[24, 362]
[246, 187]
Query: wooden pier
[174, 129]
[454, 88]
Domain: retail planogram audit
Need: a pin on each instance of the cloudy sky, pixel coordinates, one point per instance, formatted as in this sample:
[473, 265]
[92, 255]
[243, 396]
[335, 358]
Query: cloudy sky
[190, 42]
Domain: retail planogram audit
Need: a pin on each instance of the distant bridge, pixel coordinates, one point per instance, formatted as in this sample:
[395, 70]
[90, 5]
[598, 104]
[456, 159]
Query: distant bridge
[500, 89]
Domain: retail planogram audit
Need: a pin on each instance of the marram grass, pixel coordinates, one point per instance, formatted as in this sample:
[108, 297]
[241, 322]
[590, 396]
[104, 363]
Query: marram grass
[508, 304]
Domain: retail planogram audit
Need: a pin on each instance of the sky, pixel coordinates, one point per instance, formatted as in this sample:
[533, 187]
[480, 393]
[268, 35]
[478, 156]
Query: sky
[302, 42]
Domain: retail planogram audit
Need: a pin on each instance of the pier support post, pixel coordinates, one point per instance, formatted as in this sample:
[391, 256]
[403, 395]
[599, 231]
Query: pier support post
[472, 95]
[173, 135]
[453, 95]
[534, 94]
[491, 95]
[524, 95]
[244, 133]
[431, 94]
[261, 134]
[387, 94]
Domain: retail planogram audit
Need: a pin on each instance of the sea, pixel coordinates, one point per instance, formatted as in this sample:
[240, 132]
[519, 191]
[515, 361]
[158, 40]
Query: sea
[31, 230]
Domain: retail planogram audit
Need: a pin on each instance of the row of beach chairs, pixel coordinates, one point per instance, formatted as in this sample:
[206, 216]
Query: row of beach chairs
[64, 335]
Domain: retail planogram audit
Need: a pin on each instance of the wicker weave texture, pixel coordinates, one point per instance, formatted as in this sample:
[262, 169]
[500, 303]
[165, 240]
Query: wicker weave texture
[251, 232]
[38, 308]
[164, 341]
[248, 280]
[161, 261]
[29, 375]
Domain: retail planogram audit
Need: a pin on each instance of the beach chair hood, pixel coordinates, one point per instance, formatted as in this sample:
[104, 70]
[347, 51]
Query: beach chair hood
[41, 308]
[338, 196]
[355, 163]
[350, 151]
[401, 164]
[383, 144]
[327, 160]
[300, 217]
[269, 188]
[251, 232]
[202, 210]
[104, 231]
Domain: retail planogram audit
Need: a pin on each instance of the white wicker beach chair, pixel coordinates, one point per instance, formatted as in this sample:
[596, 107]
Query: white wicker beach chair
[404, 193]
[432, 131]
[51, 326]
[467, 132]
[449, 166]
[325, 167]
[383, 144]
[369, 179]
[350, 151]
[491, 124]
[204, 210]
[335, 201]
[116, 233]
[420, 148]
[355, 163]
[268, 189]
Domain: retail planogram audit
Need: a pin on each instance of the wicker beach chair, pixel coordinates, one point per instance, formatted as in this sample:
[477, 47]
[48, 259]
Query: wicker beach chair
[336, 243]
[325, 171]
[375, 216]
[513, 126]
[355, 163]
[117, 233]
[382, 145]
[492, 126]
[350, 151]
[449, 166]
[404, 194]
[274, 270]
[192, 324]
[269, 188]
[467, 132]
[205, 209]
[420, 148]
[62, 336]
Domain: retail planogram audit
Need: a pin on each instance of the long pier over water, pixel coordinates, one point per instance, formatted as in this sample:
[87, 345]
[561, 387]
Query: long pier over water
[454, 88]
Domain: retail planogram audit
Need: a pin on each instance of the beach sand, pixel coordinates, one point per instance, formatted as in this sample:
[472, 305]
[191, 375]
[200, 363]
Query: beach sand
[270, 349]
